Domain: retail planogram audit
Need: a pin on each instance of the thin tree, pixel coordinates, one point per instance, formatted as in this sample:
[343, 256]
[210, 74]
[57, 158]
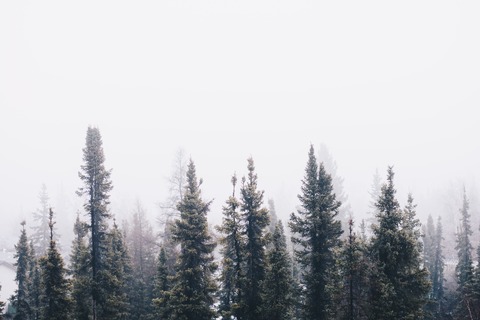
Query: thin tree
[193, 285]
[256, 219]
[55, 298]
[316, 234]
[23, 257]
[97, 186]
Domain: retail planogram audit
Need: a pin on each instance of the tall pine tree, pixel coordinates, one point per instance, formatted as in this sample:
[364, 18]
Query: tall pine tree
[97, 186]
[316, 235]
[233, 246]
[256, 219]
[23, 257]
[193, 285]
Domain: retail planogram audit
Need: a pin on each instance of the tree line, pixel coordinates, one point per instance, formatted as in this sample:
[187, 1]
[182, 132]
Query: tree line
[391, 269]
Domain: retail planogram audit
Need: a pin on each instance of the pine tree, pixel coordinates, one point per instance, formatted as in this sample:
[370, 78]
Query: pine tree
[316, 235]
[437, 278]
[399, 283]
[2, 306]
[193, 286]
[233, 246]
[97, 186]
[256, 220]
[23, 257]
[162, 286]
[464, 268]
[34, 284]
[354, 266]
[55, 298]
[40, 235]
[279, 299]
[115, 278]
[81, 273]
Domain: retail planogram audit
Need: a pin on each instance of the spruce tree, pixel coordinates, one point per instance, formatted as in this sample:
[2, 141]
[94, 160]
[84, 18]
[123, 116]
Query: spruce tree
[80, 268]
[162, 286]
[354, 269]
[233, 246]
[193, 286]
[2, 306]
[399, 284]
[97, 186]
[464, 269]
[20, 299]
[34, 284]
[256, 219]
[437, 277]
[316, 235]
[115, 277]
[55, 298]
[279, 289]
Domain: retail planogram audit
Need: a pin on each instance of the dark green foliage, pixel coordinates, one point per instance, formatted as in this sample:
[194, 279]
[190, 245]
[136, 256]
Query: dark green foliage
[279, 289]
[192, 294]
[55, 297]
[80, 268]
[399, 285]
[233, 245]
[256, 219]
[97, 186]
[23, 259]
[115, 279]
[162, 288]
[354, 269]
[316, 235]
[34, 285]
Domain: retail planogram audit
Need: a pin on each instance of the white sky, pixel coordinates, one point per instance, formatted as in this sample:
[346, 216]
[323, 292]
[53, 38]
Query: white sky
[380, 82]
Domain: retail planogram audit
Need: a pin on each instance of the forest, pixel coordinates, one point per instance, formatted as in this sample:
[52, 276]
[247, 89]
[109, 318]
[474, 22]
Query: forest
[320, 264]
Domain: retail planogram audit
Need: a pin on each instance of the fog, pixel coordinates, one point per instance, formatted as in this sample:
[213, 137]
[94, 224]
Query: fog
[378, 83]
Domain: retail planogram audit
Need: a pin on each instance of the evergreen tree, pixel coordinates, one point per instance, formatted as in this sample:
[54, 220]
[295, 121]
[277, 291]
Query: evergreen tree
[23, 257]
[193, 286]
[233, 246]
[464, 268]
[55, 298]
[41, 235]
[34, 285]
[354, 266]
[162, 288]
[273, 216]
[316, 235]
[437, 278]
[279, 299]
[256, 219]
[2, 306]
[97, 186]
[399, 284]
[115, 278]
[81, 273]
[429, 245]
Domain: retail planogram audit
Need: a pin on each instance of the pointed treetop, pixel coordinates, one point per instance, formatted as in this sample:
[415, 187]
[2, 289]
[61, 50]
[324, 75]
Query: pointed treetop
[51, 223]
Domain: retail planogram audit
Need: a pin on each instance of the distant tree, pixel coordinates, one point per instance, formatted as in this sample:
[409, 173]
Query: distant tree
[80, 268]
[55, 297]
[464, 268]
[330, 165]
[438, 271]
[374, 192]
[40, 235]
[97, 185]
[34, 284]
[429, 245]
[115, 278]
[316, 235]
[23, 259]
[256, 219]
[143, 247]
[399, 282]
[232, 277]
[279, 289]
[273, 216]
[193, 285]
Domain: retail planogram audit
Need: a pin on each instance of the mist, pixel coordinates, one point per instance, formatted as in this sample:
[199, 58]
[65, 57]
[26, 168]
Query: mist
[379, 84]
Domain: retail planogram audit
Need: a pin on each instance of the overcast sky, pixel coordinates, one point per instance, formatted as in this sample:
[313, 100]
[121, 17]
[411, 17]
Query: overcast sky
[379, 82]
